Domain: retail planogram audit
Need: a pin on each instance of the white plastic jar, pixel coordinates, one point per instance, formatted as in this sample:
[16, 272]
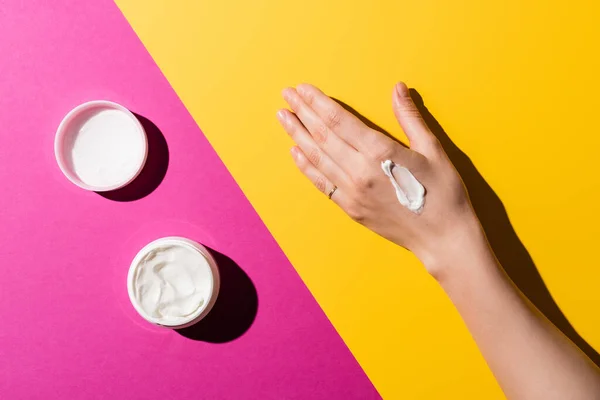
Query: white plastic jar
[101, 146]
[173, 282]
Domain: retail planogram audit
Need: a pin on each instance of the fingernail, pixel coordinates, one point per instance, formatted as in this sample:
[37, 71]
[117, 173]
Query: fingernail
[301, 89]
[281, 116]
[286, 94]
[402, 90]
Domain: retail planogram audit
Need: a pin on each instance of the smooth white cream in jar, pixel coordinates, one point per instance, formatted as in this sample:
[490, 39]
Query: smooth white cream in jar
[101, 146]
[173, 282]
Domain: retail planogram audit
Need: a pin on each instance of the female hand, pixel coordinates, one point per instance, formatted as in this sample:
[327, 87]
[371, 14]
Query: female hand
[336, 150]
[529, 356]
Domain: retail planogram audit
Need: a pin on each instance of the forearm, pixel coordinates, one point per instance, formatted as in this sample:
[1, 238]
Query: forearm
[529, 356]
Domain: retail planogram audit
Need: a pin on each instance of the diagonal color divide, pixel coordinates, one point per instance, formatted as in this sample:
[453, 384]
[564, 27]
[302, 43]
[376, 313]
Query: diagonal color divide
[67, 329]
[506, 79]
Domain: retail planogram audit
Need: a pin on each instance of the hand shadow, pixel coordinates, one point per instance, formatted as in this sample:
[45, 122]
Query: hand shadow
[154, 170]
[235, 309]
[507, 246]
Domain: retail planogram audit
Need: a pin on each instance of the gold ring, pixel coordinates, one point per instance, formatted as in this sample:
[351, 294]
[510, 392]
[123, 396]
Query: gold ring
[331, 192]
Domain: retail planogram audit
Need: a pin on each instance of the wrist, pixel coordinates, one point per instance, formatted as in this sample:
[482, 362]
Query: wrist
[457, 252]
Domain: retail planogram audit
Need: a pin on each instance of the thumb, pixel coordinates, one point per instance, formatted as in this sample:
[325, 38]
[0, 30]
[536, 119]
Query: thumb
[419, 136]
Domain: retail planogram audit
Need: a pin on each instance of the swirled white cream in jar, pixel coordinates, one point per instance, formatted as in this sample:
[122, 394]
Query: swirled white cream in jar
[173, 282]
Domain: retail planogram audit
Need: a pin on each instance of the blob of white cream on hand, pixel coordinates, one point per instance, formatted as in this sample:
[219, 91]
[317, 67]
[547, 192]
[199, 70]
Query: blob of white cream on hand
[171, 282]
[410, 192]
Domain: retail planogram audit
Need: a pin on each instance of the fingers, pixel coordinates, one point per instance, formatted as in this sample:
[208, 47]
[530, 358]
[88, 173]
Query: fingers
[420, 137]
[370, 143]
[336, 118]
[341, 152]
[320, 181]
[315, 155]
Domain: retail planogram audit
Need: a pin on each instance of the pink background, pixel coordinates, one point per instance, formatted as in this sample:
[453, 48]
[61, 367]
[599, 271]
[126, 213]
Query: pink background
[66, 327]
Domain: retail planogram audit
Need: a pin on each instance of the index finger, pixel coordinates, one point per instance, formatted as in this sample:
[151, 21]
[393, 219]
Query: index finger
[339, 120]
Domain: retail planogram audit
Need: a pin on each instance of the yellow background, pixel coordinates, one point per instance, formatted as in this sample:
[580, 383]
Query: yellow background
[513, 82]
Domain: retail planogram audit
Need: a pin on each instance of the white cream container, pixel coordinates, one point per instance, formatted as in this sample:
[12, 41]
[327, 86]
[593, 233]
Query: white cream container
[100, 146]
[173, 282]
